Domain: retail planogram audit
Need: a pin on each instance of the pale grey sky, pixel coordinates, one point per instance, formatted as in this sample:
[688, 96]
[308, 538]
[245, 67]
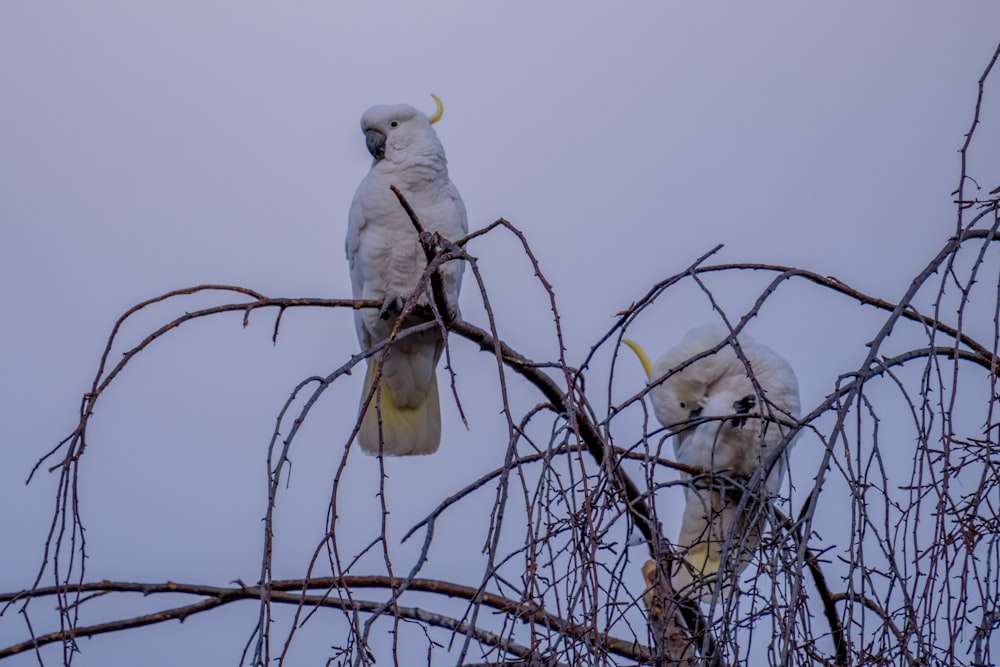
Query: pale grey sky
[152, 146]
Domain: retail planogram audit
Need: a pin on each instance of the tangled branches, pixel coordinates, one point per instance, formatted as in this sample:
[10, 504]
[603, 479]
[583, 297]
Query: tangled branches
[882, 549]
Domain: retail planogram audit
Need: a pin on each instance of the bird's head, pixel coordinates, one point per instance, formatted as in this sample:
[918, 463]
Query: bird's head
[681, 396]
[393, 131]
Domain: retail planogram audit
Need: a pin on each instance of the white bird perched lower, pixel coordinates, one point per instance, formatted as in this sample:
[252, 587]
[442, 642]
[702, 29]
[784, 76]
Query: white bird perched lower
[733, 429]
[386, 262]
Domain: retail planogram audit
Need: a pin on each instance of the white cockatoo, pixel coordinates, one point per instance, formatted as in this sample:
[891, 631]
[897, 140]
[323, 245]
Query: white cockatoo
[387, 260]
[733, 427]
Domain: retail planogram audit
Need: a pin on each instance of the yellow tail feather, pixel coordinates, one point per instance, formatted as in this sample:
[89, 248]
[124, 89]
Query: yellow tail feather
[405, 430]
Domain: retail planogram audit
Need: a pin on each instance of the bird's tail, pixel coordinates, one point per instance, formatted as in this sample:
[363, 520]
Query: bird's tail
[714, 527]
[405, 430]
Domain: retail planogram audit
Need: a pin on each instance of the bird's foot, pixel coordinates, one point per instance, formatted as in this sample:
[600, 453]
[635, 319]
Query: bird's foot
[391, 305]
[742, 407]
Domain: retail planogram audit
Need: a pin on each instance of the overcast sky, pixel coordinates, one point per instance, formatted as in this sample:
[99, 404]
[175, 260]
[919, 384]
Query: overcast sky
[151, 146]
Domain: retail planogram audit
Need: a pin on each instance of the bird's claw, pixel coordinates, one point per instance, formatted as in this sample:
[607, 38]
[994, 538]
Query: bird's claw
[742, 407]
[391, 305]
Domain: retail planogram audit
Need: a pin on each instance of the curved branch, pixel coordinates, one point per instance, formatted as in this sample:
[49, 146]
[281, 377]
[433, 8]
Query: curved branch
[291, 591]
[76, 440]
[964, 151]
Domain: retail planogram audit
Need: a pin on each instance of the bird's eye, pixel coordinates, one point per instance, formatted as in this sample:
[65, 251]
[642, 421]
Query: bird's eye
[393, 124]
[683, 405]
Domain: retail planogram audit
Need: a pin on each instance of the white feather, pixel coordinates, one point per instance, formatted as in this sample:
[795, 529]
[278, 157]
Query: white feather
[730, 426]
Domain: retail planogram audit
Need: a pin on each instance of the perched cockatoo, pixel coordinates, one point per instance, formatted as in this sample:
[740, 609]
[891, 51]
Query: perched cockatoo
[386, 262]
[730, 427]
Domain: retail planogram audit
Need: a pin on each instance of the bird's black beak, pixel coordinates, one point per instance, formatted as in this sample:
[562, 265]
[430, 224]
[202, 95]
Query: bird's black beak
[375, 141]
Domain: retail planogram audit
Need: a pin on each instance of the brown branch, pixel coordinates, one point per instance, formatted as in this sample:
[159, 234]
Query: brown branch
[292, 591]
[872, 606]
[666, 620]
[964, 151]
[429, 242]
[178, 613]
[985, 357]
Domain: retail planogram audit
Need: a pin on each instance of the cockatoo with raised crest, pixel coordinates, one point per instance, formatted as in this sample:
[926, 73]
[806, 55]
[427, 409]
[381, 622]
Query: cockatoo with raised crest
[732, 427]
[387, 260]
